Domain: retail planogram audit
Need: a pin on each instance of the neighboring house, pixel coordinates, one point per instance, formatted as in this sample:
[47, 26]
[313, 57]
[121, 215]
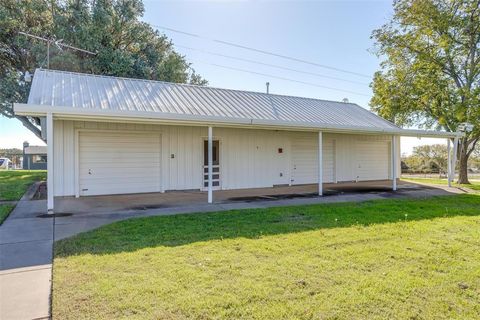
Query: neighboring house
[34, 157]
[109, 135]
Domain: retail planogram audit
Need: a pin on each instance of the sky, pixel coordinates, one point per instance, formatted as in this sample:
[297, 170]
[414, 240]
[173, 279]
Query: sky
[333, 34]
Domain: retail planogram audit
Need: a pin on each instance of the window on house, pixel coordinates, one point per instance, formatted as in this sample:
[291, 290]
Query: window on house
[37, 158]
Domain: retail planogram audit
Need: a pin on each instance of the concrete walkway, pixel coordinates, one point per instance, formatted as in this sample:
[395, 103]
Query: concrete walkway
[26, 241]
[26, 262]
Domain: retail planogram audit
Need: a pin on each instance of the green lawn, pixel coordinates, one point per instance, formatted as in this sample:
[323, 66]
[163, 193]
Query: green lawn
[14, 183]
[384, 259]
[5, 210]
[475, 185]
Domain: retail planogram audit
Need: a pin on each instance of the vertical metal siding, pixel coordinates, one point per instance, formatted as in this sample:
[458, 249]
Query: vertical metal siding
[248, 158]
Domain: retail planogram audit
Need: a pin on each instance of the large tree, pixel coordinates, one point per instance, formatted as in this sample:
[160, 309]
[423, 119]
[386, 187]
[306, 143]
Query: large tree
[125, 45]
[430, 75]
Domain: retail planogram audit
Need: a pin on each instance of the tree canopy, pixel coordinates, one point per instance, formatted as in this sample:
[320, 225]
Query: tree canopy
[430, 75]
[124, 45]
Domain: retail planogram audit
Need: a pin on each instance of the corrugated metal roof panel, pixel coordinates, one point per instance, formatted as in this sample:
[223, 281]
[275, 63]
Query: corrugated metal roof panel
[86, 91]
[36, 150]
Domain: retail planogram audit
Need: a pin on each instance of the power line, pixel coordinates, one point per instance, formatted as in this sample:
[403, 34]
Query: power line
[264, 52]
[281, 78]
[269, 65]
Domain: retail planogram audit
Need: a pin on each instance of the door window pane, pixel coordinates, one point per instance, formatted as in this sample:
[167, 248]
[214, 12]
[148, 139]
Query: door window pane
[216, 152]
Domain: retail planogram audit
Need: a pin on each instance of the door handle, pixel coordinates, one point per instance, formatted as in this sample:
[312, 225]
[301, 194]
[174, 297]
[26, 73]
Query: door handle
[89, 171]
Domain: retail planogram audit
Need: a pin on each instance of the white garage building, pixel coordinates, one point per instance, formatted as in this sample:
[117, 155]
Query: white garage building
[109, 135]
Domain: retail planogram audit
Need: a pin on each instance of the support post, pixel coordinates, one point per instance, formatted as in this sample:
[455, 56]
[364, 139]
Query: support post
[210, 164]
[454, 157]
[50, 163]
[449, 163]
[394, 163]
[320, 163]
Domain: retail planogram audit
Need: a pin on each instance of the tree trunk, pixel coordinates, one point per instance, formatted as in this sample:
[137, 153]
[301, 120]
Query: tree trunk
[463, 169]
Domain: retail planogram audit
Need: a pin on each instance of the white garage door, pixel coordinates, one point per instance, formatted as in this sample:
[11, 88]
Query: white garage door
[372, 160]
[119, 162]
[305, 159]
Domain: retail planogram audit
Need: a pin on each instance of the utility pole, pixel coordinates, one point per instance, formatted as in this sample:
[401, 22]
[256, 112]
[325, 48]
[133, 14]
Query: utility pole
[58, 43]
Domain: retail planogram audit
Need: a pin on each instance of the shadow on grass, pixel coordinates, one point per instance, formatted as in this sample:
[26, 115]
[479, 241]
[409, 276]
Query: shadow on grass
[14, 183]
[177, 230]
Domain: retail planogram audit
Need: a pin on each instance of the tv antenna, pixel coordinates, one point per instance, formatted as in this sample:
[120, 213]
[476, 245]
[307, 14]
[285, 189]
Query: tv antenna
[58, 43]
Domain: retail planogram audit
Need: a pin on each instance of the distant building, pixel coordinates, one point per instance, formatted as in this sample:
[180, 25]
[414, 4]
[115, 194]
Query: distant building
[34, 157]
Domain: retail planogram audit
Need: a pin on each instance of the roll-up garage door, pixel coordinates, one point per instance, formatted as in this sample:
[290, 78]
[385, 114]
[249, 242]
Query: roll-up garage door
[118, 162]
[305, 159]
[373, 160]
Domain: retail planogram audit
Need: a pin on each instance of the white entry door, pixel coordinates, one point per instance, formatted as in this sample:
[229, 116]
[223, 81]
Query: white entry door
[118, 162]
[216, 185]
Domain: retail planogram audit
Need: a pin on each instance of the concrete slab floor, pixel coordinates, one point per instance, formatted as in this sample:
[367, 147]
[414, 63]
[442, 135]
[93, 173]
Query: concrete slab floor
[175, 199]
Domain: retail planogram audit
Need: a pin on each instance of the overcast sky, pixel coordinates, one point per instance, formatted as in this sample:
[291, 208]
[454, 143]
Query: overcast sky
[335, 34]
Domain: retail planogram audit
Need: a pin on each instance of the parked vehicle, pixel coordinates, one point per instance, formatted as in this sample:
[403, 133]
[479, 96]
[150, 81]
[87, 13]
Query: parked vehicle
[5, 163]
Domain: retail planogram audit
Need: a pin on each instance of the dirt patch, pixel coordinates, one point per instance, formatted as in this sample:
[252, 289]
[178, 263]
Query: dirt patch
[149, 206]
[386, 191]
[41, 192]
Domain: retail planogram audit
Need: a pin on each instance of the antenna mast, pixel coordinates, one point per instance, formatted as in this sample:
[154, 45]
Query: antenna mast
[57, 43]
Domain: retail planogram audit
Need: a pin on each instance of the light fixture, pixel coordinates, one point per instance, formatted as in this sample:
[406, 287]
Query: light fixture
[27, 77]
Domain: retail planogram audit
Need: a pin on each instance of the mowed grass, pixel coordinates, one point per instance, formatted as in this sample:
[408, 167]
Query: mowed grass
[5, 210]
[14, 183]
[475, 185]
[384, 259]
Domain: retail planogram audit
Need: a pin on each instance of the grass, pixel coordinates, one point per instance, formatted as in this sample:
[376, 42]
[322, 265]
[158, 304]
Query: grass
[5, 210]
[13, 184]
[475, 185]
[384, 259]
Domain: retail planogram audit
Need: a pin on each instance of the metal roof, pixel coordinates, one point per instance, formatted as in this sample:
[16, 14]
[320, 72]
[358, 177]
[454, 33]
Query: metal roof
[36, 150]
[123, 95]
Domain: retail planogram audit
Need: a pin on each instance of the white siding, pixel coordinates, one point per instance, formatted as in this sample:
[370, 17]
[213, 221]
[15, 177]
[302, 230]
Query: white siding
[248, 158]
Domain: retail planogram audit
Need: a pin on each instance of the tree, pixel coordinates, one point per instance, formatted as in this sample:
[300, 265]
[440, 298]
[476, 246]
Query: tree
[125, 46]
[430, 75]
[432, 156]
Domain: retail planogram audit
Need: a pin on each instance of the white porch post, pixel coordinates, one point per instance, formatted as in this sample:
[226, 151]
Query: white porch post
[320, 163]
[394, 163]
[454, 157]
[449, 164]
[210, 164]
[49, 163]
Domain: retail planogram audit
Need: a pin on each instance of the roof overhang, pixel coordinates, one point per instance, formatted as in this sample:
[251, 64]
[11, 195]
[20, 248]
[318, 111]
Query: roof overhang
[69, 113]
